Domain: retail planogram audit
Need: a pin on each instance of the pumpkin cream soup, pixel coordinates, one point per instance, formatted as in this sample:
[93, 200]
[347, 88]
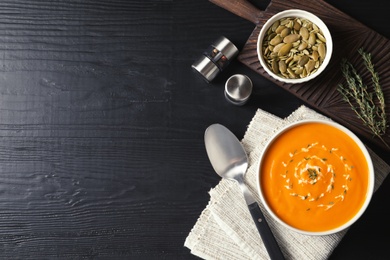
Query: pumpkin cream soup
[314, 177]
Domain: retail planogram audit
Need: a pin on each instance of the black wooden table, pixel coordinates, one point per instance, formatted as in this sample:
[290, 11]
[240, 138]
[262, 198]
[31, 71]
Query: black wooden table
[102, 123]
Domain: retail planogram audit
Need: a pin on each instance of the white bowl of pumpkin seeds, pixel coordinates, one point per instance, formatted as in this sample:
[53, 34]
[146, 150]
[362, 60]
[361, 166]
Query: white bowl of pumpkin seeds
[294, 46]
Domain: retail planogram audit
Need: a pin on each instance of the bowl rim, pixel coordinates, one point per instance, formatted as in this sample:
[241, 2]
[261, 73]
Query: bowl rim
[371, 176]
[302, 14]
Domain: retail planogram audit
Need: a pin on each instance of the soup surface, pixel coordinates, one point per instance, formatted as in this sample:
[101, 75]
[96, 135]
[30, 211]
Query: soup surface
[314, 177]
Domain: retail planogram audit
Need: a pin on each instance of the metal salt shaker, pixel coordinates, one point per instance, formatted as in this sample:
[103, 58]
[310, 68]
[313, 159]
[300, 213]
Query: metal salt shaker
[238, 89]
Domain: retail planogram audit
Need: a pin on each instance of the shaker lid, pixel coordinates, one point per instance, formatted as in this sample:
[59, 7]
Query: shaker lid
[238, 89]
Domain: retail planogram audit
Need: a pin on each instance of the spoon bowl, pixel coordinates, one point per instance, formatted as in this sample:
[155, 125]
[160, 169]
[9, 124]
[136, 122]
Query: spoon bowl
[226, 154]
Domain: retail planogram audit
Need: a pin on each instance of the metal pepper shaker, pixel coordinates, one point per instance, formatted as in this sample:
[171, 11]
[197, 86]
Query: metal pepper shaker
[215, 58]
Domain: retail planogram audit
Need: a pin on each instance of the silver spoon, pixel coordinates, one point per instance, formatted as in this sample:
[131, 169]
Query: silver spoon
[229, 160]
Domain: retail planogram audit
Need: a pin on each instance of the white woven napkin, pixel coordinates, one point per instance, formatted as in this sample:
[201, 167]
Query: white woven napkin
[225, 229]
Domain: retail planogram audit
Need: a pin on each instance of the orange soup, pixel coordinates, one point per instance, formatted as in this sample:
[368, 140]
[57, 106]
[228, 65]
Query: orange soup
[314, 177]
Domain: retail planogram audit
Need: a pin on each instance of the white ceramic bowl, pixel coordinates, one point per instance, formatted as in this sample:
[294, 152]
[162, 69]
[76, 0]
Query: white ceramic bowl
[300, 14]
[297, 204]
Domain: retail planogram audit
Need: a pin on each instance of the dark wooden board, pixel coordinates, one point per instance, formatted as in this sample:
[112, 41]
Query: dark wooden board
[348, 36]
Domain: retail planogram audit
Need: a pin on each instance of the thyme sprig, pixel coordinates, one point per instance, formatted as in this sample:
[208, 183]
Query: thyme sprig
[382, 124]
[370, 108]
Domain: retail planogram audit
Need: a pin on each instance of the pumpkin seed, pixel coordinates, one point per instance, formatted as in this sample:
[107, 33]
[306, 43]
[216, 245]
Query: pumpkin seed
[309, 66]
[297, 25]
[276, 40]
[282, 66]
[275, 66]
[312, 38]
[291, 38]
[271, 35]
[303, 60]
[275, 25]
[285, 49]
[303, 74]
[321, 37]
[302, 46]
[315, 55]
[277, 47]
[280, 28]
[291, 73]
[298, 71]
[284, 21]
[321, 50]
[285, 32]
[296, 44]
[289, 60]
[304, 33]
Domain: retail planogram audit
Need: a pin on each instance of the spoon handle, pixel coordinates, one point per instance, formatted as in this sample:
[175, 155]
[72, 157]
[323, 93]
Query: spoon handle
[265, 232]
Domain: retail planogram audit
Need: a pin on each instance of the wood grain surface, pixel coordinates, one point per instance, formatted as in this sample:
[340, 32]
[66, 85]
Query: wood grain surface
[102, 123]
[101, 127]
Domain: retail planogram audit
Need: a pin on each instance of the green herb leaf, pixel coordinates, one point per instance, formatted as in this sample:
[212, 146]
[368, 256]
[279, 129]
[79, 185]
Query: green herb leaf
[368, 106]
